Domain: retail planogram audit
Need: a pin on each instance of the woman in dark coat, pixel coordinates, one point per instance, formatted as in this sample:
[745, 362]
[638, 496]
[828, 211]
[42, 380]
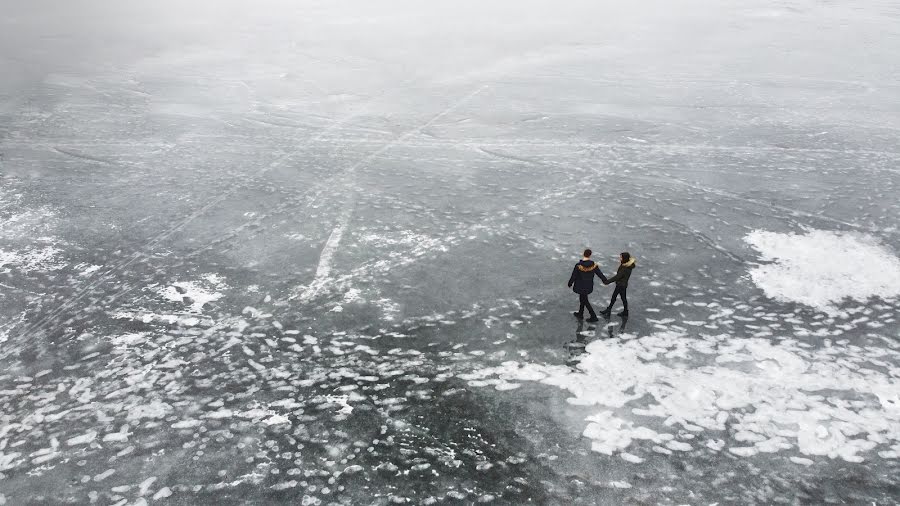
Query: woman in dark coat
[623, 273]
[582, 282]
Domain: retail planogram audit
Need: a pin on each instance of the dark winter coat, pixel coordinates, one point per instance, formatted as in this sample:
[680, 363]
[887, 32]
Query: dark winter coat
[582, 279]
[622, 274]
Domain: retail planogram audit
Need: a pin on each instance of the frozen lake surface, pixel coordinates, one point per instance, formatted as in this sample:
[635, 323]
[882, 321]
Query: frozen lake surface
[316, 252]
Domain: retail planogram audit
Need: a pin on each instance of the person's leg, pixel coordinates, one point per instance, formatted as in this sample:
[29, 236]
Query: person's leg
[612, 301]
[590, 308]
[623, 291]
[581, 299]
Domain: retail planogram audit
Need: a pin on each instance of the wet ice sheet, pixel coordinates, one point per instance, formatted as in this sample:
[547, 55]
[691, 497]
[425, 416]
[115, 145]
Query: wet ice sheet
[289, 242]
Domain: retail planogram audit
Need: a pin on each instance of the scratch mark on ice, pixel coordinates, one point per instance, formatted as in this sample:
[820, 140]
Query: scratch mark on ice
[83, 156]
[323, 269]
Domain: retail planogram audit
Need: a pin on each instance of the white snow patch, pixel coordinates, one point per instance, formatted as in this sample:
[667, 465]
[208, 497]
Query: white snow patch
[341, 400]
[131, 339]
[28, 235]
[821, 268]
[162, 493]
[116, 437]
[276, 420]
[398, 238]
[87, 269]
[216, 280]
[31, 259]
[219, 414]
[634, 459]
[153, 409]
[353, 295]
[150, 317]
[286, 403]
[82, 439]
[255, 413]
[770, 394]
[7, 327]
[145, 485]
[8, 460]
[104, 475]
[24, 223]
[194, 293]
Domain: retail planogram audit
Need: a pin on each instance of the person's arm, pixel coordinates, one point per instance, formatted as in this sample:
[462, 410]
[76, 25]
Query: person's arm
[572, 277]
[615, 278]
[601, 276]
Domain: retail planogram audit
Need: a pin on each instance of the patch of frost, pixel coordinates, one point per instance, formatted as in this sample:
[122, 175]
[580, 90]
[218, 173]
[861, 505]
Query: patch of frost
[759, 396]
[822, 268]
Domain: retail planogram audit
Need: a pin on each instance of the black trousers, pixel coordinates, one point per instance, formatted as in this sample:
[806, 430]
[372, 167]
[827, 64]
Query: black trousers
[620, 290]
[583, 302]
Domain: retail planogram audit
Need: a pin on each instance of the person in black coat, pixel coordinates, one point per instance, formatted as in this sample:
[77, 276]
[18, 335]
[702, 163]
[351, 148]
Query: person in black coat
[623, 273]
[582, 283]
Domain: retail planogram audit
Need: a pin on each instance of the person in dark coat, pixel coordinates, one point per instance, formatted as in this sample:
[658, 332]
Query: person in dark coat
[623, 273]
[582, 283]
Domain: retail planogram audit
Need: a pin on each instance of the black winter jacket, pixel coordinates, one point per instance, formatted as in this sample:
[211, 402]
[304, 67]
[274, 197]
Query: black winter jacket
[622, 274]
[582, 279]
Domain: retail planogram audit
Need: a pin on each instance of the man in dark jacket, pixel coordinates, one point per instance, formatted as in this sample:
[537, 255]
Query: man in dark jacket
[626, 265]
[582, 283]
